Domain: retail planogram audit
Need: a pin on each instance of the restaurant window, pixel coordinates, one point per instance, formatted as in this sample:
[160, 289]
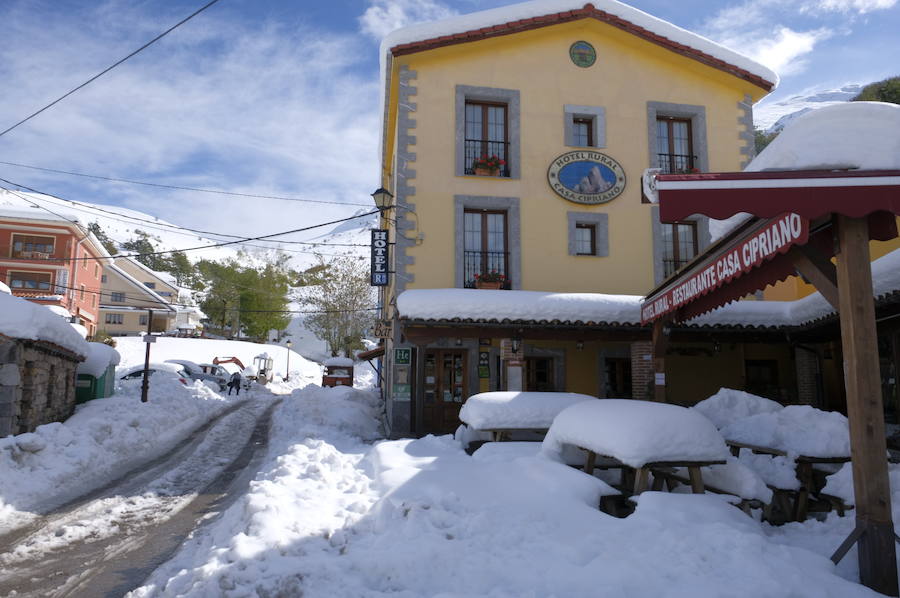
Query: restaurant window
[117, 297]
[113, 318]
[486, 134]
[679, 245]
[30, 281]
[618, 377]
[539, 374]
[29, 246]
[485, 246]
[585, 126]
[674, 145]
[487, 124]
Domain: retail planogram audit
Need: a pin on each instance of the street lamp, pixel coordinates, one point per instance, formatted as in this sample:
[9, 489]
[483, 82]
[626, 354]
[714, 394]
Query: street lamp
[383, 199]
[287, 375]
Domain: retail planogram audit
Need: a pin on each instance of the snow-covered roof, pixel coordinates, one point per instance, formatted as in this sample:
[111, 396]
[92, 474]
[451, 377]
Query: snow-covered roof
[26, 320]
[548, 12]
[535, 307]
[538, 306]
[637, 432]
[59, 310]
[100, 357]
[163, 277]
[158, 299]
[854, 135]
[60, 216]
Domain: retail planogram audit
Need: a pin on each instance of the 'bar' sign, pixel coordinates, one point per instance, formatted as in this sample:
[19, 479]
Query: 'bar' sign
[379, 257]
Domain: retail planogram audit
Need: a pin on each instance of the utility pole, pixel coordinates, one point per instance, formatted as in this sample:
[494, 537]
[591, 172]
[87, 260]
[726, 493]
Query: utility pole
[148, 338]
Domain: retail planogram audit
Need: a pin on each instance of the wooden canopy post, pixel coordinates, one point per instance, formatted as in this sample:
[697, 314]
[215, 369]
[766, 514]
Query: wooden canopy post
[877, 554]
[660, 344]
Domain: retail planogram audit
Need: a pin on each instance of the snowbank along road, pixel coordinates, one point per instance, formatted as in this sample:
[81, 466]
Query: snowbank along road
[108, 542]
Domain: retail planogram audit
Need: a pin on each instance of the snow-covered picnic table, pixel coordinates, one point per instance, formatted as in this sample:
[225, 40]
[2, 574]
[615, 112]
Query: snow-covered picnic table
[502, 413]
[637, 436]
[784, 445]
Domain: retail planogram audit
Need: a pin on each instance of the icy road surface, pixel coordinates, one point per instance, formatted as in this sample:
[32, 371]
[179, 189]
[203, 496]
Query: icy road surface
[108, 542]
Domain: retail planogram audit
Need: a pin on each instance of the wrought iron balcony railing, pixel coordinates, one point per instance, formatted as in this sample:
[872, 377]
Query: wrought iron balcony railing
[486, 262]
[481, 148]
[675, 163]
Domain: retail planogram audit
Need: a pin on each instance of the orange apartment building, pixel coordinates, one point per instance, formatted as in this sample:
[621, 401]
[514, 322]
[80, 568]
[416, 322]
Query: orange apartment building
[52, 261]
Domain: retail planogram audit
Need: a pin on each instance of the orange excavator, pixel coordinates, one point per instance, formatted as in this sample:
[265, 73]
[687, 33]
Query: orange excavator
[234, 360]
[262, 363]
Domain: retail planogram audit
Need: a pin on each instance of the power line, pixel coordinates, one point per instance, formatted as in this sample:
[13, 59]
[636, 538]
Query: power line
[111, 67]
[157, 224]
[180, 188]
[199, 247]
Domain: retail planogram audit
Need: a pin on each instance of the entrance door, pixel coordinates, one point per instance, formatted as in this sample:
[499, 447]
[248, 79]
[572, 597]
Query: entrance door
[445, 390]
[539, 374]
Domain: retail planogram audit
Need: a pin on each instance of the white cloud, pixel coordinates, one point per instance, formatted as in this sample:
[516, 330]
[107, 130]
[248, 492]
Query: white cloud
[277, 109]
[384, 16]
[784, 52]
[845, 6]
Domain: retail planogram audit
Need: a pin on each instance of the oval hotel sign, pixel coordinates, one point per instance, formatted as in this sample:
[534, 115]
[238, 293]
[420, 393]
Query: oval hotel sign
[586, 177]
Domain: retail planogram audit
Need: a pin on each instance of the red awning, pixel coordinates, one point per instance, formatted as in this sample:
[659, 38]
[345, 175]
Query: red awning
[790, 209]
[809, 193]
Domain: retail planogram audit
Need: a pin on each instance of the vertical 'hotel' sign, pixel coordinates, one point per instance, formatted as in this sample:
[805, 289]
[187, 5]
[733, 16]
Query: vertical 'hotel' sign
[379, 257]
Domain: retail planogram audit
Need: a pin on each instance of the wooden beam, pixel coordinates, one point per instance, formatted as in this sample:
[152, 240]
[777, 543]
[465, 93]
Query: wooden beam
[817, 269]
[877, 555]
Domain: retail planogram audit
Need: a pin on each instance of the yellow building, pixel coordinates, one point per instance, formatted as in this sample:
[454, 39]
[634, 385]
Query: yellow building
[570, 103]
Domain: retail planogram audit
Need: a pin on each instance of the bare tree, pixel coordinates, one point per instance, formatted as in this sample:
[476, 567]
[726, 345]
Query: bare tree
[345, 302]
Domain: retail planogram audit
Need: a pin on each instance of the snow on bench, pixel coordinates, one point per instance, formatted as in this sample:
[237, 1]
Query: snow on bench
[637, 433]
[504, 452]
[512, 410]
[795, 430]
[729, 405]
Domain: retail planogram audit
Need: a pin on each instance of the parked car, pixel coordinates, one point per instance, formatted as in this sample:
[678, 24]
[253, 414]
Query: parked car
[202, 372]
[137, 371]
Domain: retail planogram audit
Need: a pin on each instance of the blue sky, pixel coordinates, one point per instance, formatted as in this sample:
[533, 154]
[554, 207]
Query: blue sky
[282, 97]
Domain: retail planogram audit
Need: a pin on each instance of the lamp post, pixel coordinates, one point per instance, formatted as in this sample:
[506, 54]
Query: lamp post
[287, 375]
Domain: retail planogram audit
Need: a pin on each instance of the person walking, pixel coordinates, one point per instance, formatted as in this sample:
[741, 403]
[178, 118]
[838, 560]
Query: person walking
[235, 383]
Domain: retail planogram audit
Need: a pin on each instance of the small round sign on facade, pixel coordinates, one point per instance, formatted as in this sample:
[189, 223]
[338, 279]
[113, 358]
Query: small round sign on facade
[582, 54]
[586, 177]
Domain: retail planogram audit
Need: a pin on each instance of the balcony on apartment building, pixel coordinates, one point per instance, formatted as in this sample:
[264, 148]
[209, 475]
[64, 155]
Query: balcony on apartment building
[486, 264]
[481, 149]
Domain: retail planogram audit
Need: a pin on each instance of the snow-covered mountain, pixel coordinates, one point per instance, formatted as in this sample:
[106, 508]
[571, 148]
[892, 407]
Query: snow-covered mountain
[773, 117]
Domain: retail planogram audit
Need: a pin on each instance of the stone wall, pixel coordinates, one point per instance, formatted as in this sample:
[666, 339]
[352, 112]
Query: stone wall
[37, 385]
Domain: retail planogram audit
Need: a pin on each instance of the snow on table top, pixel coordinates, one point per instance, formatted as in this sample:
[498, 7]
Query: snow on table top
[22, 319]
[538, 8]
[796, 430]
[99, 358]
[339, 362]
[478, 304]
[516, 410]
[637, 432]
[729, 405]
[862, 135]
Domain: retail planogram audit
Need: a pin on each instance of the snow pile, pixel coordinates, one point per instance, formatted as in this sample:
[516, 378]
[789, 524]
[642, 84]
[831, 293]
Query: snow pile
[102, 440]
[470, 304]
[840, 484]
[504, 452]
[855, 135]
[540, 8]
[338, 362]
[738, 479]
[637, 432]
[203, 350]
[796, 430]
[100, 357]
[23, 319]
[775, 471]
[4, 288]
[729, 405]
[516, 410]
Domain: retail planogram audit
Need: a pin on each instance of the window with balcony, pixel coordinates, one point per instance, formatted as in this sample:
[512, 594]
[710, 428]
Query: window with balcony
[486, 246]
[487, 125]
[679, 242]
[486, 135]
[674, 145]
[117, 297]
[29, 246]
[114, 318]
[30, 281]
